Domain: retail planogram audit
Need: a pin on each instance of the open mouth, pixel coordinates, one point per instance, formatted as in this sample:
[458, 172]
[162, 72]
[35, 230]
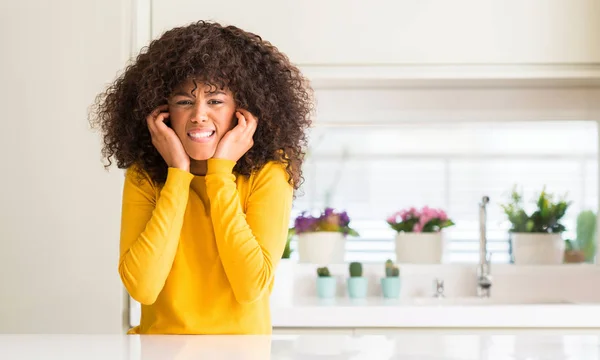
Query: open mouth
[201, 136]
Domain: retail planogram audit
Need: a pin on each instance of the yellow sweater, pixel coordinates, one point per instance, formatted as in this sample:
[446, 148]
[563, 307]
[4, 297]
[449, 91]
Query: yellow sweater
[200, 252]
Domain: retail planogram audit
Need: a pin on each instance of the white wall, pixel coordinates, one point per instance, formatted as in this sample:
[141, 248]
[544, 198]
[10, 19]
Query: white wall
[345, 32]
[60, 210]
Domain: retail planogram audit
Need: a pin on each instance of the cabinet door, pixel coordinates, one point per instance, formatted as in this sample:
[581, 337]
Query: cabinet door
[352, 32]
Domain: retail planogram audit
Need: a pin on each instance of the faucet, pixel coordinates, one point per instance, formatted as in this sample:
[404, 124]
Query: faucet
[484, 277]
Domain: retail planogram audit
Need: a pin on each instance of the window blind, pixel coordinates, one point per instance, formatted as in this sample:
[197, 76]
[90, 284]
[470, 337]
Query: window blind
[373, 170]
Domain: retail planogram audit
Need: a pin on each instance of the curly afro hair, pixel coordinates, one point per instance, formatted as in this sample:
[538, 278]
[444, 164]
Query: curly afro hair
[261, 78]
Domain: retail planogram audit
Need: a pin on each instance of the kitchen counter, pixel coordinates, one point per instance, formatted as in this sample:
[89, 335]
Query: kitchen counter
[409, 345]
[434, 313]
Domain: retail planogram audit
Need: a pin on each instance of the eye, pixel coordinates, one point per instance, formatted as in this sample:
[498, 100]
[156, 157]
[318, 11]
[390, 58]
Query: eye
[215, 102]
[184, 102]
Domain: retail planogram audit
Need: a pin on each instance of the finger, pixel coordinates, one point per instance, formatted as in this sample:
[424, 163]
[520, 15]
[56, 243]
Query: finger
[160, 119]
[241, 119]
[251, 124]
[153, 115]
[250, 119]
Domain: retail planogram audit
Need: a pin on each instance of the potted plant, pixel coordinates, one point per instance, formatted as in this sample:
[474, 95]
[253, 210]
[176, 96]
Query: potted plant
[390, 284]
[537, 237]
[326, 284]
[573, 254]
[283, 285]
[419, 237]
[586, 234]
[357, 283]
[321, 239]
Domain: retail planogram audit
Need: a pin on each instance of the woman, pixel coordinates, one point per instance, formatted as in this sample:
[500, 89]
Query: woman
[210, 124]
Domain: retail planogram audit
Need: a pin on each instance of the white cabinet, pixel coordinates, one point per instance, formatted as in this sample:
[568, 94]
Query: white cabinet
[383, 32]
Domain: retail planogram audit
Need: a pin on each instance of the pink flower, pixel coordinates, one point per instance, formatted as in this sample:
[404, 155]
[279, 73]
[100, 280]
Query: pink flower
[442, 215]
[428, 212]
[404, 215]
[424, 220]
[393, 218]
[417, 227]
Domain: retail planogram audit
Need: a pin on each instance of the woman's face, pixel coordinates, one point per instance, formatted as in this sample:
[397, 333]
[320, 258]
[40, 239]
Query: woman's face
[200, 116]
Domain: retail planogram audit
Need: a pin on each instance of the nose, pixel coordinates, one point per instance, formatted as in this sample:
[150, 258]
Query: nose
[200, 114]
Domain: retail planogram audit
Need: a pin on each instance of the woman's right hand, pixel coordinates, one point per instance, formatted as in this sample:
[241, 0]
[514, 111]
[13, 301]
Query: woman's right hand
[166, 141]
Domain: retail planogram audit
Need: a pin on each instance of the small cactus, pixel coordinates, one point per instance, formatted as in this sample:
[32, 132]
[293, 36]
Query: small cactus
[391, 270]
[323, 272]
[586, 234]
[355, 269]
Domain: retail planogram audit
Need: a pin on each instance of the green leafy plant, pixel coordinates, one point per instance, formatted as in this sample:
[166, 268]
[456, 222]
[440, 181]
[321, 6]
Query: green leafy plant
[544, 219]
[391, 270]
[355, 269]
[287, 252]
[323, 272]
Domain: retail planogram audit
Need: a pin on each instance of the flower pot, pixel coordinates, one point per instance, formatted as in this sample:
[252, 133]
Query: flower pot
[390, 287]
[574, 257]
[537, 248]
[321, 248]
[419, 248]
[283, 284]
[326, 287]
[357, 287]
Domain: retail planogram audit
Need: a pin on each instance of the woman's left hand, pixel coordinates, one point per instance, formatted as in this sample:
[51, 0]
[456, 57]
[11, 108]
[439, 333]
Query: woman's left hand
[237, 141]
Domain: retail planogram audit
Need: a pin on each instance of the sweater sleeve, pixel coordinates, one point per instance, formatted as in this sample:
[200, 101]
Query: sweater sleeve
[250, 245]
[150, 231]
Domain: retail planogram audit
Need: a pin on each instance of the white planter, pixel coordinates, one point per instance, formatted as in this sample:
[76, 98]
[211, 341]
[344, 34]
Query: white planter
[538, 248]
[321, 248]
[282, 294]
[419, 248]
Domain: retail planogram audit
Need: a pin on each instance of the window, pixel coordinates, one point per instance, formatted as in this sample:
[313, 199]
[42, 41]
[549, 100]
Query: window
[373, 170]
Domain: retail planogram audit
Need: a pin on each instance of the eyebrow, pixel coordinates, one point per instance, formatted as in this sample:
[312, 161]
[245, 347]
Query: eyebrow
[183, 93]
[216, 92]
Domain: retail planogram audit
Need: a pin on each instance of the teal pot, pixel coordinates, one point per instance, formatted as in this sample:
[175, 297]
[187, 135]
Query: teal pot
[390, 287]
[326, 287]
[357, 287]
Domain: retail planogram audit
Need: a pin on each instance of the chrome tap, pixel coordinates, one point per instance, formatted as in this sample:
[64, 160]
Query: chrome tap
[439, 288]
[484, 277]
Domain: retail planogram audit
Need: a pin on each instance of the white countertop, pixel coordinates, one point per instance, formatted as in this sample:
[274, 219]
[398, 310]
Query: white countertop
[434, 313]
[423, 345]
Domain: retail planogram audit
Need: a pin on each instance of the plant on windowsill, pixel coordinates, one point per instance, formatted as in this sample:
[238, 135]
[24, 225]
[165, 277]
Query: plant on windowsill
[321, 239]
[357, 283]
[536, 237]
[583, 247]
[390, 284]
[283, 285]
[326, 284]
[419, 235]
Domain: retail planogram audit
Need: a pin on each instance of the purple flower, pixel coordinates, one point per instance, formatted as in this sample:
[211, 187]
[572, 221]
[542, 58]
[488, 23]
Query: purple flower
[344, 219]
[328, 212]
[329, 220]
[305, 223]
